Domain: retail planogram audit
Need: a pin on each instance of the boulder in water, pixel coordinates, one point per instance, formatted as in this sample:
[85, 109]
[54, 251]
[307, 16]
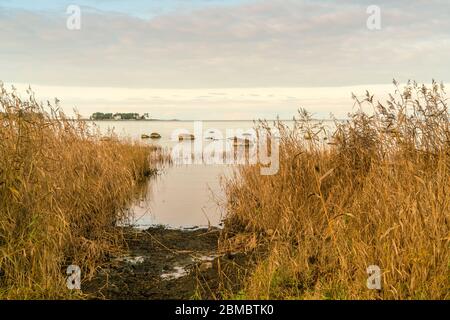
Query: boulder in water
[155, 135]
[186, 136]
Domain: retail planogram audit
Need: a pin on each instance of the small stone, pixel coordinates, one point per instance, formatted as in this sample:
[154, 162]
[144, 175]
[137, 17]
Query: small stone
[155, 135]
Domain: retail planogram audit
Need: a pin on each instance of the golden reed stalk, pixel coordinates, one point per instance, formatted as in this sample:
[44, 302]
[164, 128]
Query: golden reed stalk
[374, 192]
[62, 191]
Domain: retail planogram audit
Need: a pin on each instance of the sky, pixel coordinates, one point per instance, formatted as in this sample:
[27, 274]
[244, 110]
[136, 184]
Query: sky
[217, 59]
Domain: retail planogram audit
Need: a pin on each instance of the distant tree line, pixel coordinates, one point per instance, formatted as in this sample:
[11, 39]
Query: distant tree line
[119, 116]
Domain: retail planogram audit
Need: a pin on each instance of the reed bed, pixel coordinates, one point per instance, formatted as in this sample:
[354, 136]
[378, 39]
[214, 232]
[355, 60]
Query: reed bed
[375, 191]
[63, 189]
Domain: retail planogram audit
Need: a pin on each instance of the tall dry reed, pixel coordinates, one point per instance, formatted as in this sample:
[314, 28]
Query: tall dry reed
[63, 188]
[376, 193]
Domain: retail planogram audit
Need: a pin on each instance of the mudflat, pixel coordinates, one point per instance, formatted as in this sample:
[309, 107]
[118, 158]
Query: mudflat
[163, 263]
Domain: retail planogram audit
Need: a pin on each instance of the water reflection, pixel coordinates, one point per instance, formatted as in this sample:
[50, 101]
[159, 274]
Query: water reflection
[213, 152]
[183, 196]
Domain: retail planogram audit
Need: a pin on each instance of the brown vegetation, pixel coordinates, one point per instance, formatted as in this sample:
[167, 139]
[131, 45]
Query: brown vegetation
[63, 188]
[377, 192]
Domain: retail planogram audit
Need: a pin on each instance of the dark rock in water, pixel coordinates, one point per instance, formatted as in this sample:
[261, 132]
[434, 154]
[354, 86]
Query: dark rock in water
[242, 142]
[186, 136]
[155, 135]
[145, 136]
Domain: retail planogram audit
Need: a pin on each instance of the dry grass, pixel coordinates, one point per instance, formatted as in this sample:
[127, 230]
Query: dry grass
[62, 190]
[376, 193]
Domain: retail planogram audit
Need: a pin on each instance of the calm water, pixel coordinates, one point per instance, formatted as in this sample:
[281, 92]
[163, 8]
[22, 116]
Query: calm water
[134, 129]
[181, 195]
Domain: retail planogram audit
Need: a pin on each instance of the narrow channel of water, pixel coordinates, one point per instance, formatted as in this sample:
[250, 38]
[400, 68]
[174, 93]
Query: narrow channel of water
[183, 196]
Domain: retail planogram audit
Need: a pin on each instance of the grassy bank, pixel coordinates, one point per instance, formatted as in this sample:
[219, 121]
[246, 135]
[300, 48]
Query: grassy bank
[376, 193]
[62, 190]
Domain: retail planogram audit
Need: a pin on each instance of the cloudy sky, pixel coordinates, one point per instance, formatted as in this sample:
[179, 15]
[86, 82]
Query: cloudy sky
[217, 59]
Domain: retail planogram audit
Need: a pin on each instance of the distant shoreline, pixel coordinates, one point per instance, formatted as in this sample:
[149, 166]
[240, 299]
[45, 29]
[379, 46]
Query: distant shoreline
[119, 120]
[178, 120]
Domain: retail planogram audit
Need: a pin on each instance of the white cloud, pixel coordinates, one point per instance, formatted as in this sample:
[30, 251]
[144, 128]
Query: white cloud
[273, 44]
[266, 43]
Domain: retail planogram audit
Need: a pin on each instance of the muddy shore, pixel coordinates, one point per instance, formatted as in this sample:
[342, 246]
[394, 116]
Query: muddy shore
[162, 263]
